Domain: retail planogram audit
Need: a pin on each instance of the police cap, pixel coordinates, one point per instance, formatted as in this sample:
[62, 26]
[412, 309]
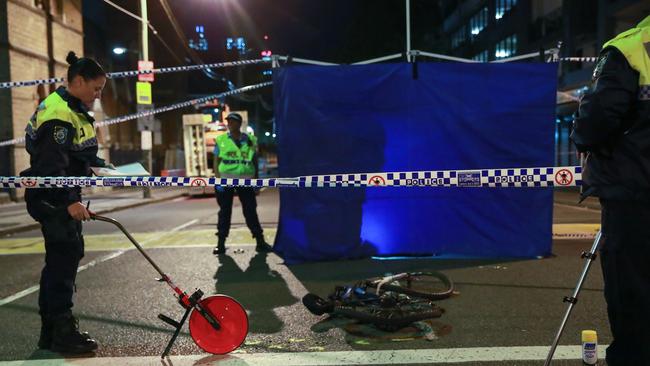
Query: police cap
[234, 116]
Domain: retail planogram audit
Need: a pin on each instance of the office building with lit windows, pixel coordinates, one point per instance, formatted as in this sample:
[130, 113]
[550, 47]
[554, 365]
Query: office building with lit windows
[489, 30]
[492, 30]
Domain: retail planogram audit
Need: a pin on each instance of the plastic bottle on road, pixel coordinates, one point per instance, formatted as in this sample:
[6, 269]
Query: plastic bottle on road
[589, 347]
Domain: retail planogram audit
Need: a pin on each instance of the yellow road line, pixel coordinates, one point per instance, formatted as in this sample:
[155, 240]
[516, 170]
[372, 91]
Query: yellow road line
[104, 242]
[575, 231]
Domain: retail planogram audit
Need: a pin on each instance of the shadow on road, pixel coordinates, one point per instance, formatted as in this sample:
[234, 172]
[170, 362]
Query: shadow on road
[257, 288]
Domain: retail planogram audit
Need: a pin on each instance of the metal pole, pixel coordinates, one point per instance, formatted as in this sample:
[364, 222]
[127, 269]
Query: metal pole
[408, 30]
[135, 243]
[146, 193]
[378, 59]
[145, 30]
[591, 256]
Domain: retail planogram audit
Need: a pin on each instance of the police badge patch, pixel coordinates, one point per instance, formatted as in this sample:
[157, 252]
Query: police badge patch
[60, 134]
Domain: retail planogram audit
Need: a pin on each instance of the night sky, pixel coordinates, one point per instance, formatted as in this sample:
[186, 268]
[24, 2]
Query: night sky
[340, 31]
[329, 30]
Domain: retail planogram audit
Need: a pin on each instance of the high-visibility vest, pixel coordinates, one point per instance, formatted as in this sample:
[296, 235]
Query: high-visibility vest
[236, 162]
[55, 107]
[634, 44]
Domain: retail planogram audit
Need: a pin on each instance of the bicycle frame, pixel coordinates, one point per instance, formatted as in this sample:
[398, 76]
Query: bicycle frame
[388, 279]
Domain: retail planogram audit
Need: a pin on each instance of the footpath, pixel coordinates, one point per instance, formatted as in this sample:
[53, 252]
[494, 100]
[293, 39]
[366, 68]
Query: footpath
[571, 196]
[14, 217]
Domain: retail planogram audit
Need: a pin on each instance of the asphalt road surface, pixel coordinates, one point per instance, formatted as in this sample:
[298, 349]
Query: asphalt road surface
[506, 309]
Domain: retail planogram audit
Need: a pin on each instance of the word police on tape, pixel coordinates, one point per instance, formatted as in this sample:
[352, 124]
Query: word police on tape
[515, 177]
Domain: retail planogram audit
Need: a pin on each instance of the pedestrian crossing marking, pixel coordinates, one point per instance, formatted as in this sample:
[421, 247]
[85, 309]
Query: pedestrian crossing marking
[575, 231]
[348, 357]
[206, 237]
[155, 239]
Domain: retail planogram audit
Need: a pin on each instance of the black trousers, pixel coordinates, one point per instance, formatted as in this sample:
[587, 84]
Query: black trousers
[64, 248]
[625, 260]
[249, 207]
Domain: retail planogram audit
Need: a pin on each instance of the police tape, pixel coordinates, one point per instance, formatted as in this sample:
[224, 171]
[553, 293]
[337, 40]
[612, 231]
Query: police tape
[580, 59]
[112, 121]
[122, 74]
[164, 70]
[188, 103]
[566, 176]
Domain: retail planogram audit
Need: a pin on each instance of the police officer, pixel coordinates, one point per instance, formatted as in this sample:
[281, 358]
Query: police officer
[235, 155]
[61, 141]
[612, 128]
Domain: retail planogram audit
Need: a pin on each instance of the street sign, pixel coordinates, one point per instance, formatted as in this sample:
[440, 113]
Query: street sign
[145, 140]
[146, 123]
[143, 92]
[145, 65]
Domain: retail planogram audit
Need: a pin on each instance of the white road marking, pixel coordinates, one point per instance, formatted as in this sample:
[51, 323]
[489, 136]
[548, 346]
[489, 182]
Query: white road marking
[579, 208]
[95, 262]
[384, 357]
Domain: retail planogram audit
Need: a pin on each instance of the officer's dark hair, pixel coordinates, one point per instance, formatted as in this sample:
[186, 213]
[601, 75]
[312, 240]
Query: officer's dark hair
[85, 67]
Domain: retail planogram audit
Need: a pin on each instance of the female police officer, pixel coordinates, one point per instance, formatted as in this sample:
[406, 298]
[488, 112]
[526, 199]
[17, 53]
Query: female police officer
[61, 141]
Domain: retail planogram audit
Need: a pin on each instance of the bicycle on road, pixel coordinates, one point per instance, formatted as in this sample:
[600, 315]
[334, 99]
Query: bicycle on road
[389, 303]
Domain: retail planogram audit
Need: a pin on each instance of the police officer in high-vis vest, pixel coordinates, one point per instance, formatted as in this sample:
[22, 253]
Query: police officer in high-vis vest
[61, 141]
[612, 128]
[235, 155]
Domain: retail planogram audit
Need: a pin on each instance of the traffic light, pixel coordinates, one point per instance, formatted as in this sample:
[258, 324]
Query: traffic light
[266, 53]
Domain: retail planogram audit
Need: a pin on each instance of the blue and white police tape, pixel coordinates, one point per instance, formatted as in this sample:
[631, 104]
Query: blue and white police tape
[122, 74]
[580, 59]
[164, 70]
[112, 121]
[566, 176]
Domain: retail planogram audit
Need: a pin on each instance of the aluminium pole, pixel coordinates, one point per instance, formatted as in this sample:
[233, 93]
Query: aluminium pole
[573, 299]
[146, 193]
[408, 30]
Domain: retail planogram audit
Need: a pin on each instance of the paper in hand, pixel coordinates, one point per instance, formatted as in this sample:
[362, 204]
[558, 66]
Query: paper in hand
[130, 170]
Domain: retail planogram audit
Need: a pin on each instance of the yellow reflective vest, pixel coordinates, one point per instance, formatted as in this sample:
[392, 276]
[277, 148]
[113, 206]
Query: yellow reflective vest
[634, 44]
[54, 107]
[236, 162]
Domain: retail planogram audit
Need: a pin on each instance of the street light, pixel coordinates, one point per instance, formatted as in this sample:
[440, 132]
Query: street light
[119, 50]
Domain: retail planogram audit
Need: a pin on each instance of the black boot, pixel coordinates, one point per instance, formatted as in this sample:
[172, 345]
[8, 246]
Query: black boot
[221, 246]
[262, 245]
[45, 340]
[66, 337]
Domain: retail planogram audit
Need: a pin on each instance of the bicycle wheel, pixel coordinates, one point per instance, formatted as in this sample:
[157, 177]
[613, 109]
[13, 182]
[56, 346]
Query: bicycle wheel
[427, 285]
[317, 305]
[399, 314]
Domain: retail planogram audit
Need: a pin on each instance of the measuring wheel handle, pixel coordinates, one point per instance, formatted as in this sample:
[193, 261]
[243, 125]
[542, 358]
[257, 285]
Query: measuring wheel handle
[218, 324]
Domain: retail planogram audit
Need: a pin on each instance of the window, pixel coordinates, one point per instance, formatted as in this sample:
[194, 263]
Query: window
[502, 7]
[459, 37]
[507, 47]
[202, 43]
[478, 22]
[482, 57]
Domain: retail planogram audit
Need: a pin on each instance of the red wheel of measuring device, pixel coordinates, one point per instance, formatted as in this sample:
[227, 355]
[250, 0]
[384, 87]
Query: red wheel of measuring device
[233, 320]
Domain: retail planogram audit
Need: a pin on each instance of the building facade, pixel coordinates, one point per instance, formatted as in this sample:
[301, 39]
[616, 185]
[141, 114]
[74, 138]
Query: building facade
[492, 30]
[35, 38]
